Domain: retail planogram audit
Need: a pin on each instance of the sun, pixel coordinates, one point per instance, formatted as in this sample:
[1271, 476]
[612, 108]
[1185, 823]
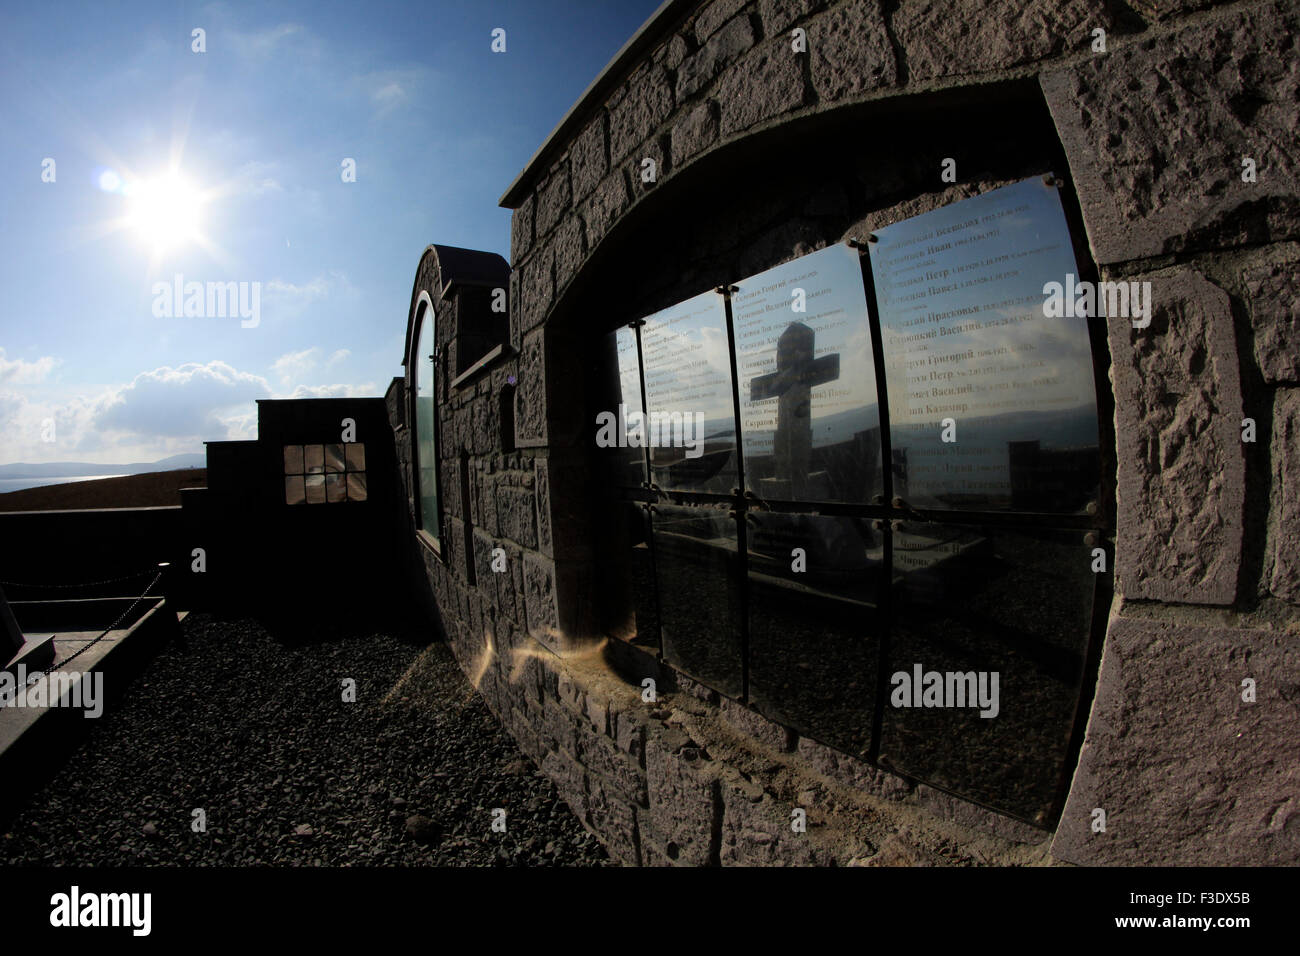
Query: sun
[166, 211]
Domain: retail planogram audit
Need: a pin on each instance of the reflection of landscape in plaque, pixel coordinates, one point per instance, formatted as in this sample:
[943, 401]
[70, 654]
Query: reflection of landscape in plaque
[699, 593]
[630, 460]
[960, 297]
[813, 633]
[971, 600]
[687, 364]
[808, 408]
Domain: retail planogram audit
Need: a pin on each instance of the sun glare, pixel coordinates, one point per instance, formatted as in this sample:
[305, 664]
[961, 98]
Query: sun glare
[166, 211]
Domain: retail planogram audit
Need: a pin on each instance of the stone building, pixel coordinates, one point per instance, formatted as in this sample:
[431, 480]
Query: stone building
[634, 615]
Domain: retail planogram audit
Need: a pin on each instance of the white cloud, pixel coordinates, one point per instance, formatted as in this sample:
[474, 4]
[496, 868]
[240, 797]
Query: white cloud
[288, 300]
[182, 402]
[21, 372]
[390, 89]
[338, 356]
[333, 391]
[294, 365]
[260, 44]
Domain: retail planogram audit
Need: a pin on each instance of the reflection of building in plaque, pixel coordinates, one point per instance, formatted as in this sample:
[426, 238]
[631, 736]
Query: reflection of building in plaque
[969, 348]
[808, 406]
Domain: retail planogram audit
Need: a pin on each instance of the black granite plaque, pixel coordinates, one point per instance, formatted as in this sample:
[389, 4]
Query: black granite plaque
[809, 413]
[628, 460]
[690, 422]
[814, 625]
[992, 404]
[974, 605]
[697, 574]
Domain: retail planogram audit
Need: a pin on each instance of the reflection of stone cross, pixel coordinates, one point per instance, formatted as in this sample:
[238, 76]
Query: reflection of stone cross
[792, 382]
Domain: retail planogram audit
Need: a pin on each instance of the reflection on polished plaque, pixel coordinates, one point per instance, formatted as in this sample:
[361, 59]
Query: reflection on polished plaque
[971, 357]
[971, 602]
[643, 627]
[335, 488]
[627, 461]
[698, 585]
[294, 494]
[293, 460]
[814, 633]
[690, 421]
[809, 413]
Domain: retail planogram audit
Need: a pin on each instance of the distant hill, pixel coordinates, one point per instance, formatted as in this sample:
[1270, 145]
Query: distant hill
[75, 469]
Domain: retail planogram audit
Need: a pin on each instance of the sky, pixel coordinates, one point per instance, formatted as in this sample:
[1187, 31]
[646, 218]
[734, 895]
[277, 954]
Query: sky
[132, 159]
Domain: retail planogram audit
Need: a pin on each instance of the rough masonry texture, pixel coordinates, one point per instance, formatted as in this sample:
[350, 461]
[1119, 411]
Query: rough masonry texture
[763, 153]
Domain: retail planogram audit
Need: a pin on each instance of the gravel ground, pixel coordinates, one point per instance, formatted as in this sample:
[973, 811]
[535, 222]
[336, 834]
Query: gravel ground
[251, 727]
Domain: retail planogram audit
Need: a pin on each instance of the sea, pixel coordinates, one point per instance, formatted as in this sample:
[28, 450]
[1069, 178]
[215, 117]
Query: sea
[18, 484]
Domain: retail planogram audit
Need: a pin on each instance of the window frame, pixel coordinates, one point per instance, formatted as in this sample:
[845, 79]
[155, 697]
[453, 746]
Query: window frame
[424, 311]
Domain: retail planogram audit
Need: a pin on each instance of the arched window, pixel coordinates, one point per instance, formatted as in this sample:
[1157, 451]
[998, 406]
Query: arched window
[423, 364]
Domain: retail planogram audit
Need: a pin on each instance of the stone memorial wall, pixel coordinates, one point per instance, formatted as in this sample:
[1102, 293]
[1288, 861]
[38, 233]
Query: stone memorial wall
[1111, 532]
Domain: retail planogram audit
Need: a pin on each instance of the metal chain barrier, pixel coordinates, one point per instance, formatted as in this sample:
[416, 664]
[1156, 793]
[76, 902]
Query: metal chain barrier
[82, 584]
[108, 630]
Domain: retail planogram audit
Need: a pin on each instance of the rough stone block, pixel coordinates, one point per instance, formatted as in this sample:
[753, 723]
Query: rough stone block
[1156, 132]
[756, 726]
[621, 775]
[561, 727]
[756, 830]
[538, 288]
[605, 206]
[569, 780]
[777, 15]
[850, 50]
[589, 157]
[515, 512]
[695, 132]
[530, 396]
[715, 15]
[1273, 296]
[543, 485]
[1178, 412]
[971, 816]
[554, 196]
[854, 773]
[521, 230]
[1188, 773]
[938, 41]
[699, 69]
[629, 734]
[570, 245]
[615, 821]
[539, 591]
[761, 85]
[684, 803]
[646, 105]
[1285, 518]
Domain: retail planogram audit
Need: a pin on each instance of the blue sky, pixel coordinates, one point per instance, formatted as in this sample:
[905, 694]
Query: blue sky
[225, 166]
